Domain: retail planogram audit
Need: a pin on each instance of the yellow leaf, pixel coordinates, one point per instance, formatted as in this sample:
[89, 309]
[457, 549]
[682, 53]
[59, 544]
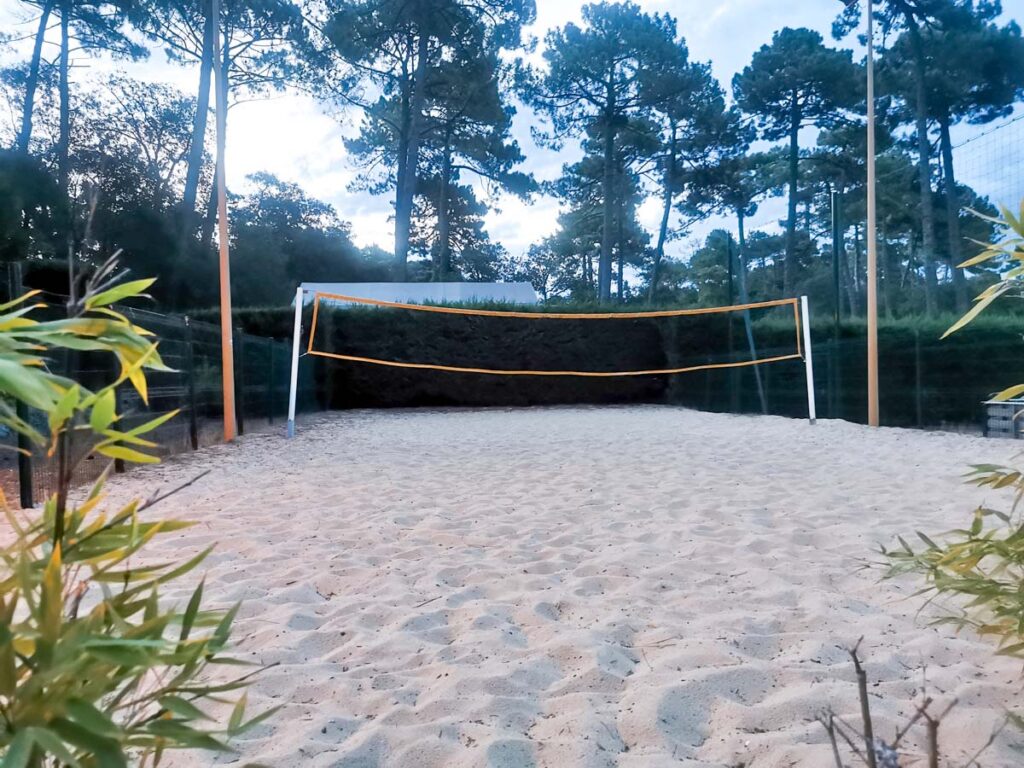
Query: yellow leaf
[51, 603]
[103, 411]
[1010, 392]
[127, 454]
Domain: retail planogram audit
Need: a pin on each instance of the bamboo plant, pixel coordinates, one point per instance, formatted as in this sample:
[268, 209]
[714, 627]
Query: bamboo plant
[96, 669]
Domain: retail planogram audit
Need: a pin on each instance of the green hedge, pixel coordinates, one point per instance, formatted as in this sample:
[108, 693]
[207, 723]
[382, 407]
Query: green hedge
[923, 381]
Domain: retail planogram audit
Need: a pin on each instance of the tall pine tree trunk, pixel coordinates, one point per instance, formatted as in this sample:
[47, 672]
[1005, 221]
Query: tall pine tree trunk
[953, 218]
[32, 81]
[885, 274]
[745, 299]
[407, 189]
[855, 270]
[64, 146]
[188, 218]
[442, 269]
[198, 140]
[848, 287]
[402, 153]
[928, 240]
[64, 135]
[621, 238]
[209, 216]
[604, 267]
[789, 268]
[666, 212]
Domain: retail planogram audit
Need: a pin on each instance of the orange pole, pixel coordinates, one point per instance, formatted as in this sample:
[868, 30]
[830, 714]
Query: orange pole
[226, 336]
[872, 308]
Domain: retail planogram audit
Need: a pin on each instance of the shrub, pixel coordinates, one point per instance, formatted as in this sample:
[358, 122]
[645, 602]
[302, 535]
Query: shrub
[95, 669]
[981, 568]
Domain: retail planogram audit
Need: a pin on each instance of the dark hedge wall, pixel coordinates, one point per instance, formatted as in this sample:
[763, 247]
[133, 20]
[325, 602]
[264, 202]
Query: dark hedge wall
[924, 381]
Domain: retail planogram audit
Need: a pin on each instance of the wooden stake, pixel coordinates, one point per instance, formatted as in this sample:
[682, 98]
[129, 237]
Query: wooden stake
[871, 234]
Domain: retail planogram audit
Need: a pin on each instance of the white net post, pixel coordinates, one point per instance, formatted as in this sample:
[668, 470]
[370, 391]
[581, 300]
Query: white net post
[812, 412]
[296, 340]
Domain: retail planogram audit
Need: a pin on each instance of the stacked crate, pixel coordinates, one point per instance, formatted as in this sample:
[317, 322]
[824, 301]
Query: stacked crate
[1003, 418]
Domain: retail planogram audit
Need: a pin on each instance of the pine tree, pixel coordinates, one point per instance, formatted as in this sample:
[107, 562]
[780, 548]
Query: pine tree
[602, 76]
[394, 49]
[794, 82]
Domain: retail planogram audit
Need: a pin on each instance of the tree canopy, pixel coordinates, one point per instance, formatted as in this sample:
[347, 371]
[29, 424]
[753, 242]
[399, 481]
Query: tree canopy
[665, 182]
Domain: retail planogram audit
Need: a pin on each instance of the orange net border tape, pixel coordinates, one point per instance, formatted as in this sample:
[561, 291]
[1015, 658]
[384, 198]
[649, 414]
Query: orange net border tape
[552, 316]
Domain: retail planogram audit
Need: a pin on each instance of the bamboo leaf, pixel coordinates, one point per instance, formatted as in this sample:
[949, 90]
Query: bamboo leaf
[191, 611]
[182, 708]
[89, 717]
[103, 411]
[1010, 392]
[51, 601]
[976, 310]
[19, 751]
[127, 454]
[54, 745]
[237, 714]
[131, 289]
[106, 751]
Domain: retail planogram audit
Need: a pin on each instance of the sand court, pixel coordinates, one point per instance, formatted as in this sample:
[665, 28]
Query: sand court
[632, 586]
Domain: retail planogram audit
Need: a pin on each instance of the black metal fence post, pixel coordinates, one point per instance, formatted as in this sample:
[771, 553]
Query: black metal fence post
[26, 495]
[118, 406]
[270, 381]
[918, 395]
[190, 377]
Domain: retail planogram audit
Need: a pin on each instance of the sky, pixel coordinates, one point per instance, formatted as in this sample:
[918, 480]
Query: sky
[291, 136]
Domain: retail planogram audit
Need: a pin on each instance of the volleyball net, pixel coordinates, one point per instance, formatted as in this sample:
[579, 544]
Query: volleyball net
[509, 331]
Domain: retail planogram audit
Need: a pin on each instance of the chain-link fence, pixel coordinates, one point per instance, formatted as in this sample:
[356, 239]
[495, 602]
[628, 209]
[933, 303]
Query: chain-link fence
[194, 388]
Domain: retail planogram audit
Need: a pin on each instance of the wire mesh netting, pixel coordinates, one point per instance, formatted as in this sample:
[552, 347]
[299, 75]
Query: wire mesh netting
[924, 382]
[991, 162]
[192, 349]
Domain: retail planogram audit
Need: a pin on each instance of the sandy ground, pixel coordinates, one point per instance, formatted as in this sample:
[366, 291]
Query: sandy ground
[595, 587]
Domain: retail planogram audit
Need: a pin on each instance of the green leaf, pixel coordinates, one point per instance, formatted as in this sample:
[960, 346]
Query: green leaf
[237, 714]
[103, 411]
[19, 752]
[107, 752]
[182, 708]
[51, 601]
[191, 611]
[263, 716]
[28, 385]
[20, 300]
[127, 454]
[87, 716]
[121, 657]
[51, 743]
[152, 424]
[131, 289]
[185, 736]
[223, 630]
[59, 415]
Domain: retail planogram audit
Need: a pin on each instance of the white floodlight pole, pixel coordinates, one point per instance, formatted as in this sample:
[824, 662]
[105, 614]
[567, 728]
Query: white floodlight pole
[296, 340]
[812, 411]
